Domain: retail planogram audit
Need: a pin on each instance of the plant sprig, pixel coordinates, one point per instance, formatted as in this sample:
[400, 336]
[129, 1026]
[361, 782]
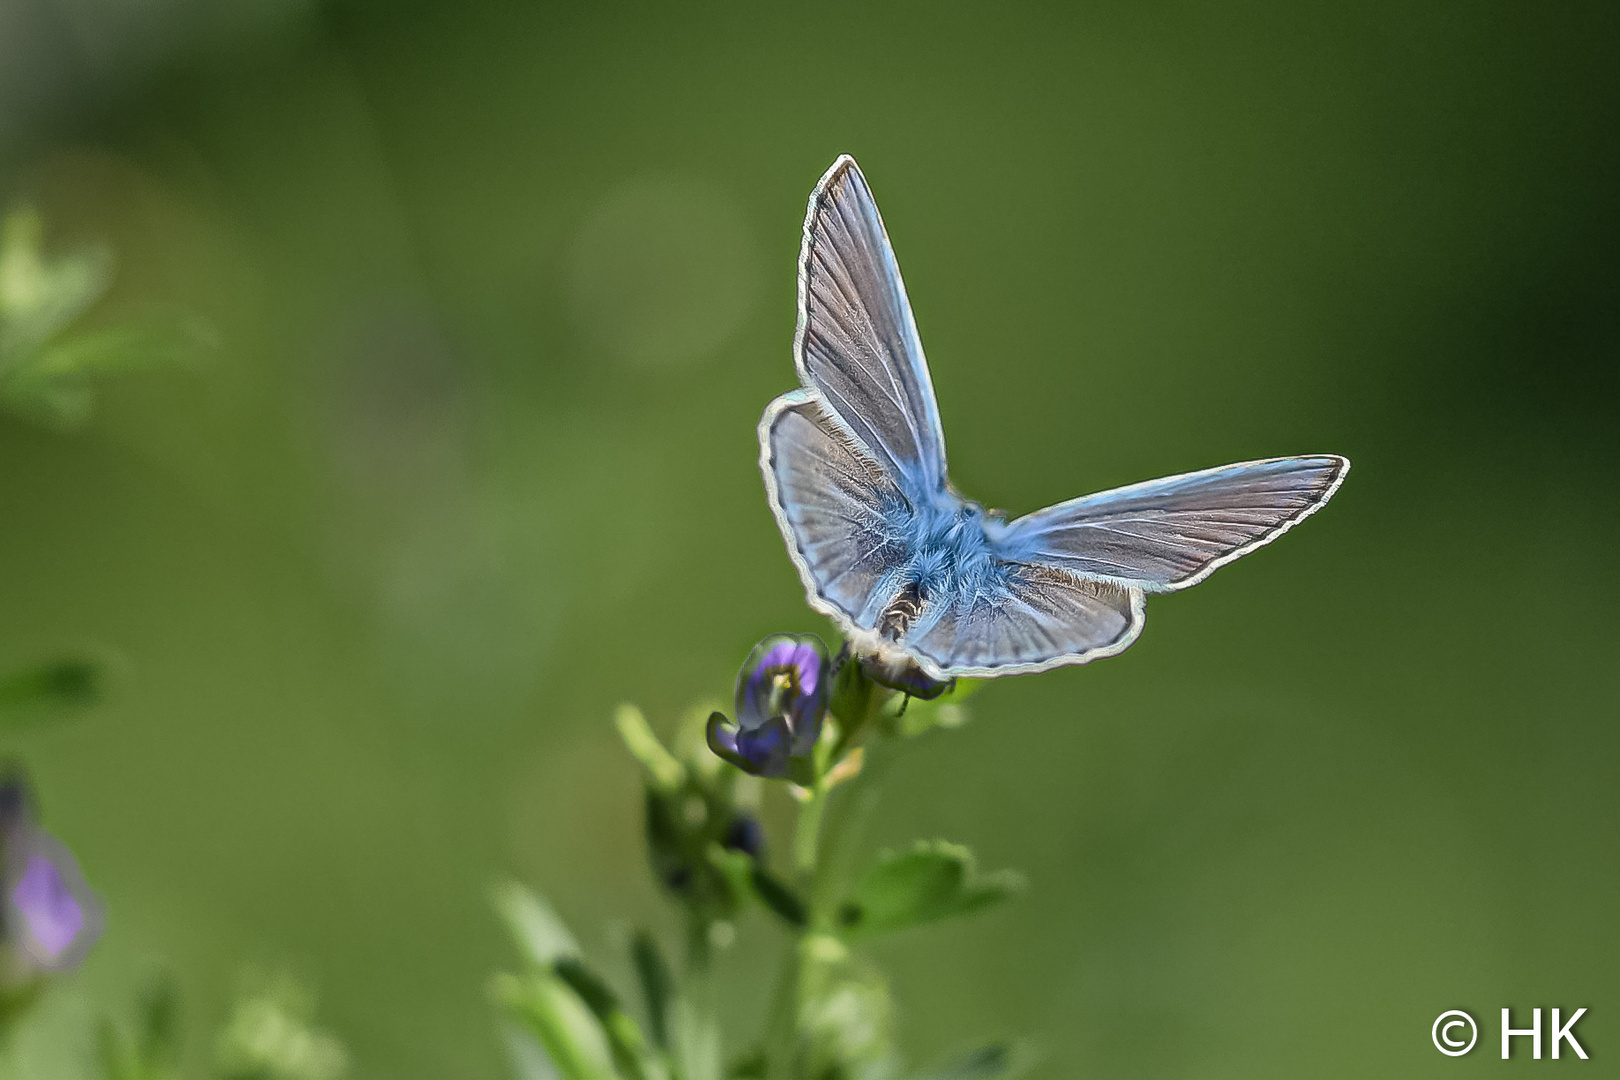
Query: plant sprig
[824, 731]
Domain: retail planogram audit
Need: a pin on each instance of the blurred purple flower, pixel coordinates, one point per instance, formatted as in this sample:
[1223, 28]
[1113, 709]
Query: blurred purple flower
[781, 699]
[53, 917]
[50, 914]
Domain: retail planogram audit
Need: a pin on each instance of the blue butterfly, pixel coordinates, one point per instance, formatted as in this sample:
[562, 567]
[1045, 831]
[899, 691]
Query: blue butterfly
[925, 584]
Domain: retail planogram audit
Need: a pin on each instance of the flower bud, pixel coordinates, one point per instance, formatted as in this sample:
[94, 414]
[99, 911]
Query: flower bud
[744, 834]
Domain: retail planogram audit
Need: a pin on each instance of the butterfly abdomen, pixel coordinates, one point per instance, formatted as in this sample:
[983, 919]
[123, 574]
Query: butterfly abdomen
[901, 612]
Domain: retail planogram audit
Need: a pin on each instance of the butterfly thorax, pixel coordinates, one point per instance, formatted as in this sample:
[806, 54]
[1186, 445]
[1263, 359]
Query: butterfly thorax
[949, 547]
[948, 558]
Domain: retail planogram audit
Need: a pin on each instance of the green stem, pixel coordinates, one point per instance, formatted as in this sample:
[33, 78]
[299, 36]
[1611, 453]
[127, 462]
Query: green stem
[697, 946]
[696, 1032]
[823, 845]
[807, 835]
[782, 1034]
[781, 1030]
[842, 832]
[822, 841]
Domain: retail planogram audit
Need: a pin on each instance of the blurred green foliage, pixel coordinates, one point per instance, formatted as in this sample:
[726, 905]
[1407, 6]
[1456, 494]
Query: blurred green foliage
[384, 567]
[56, 690]
[152, 1050]
[45, 372]
[271, 1036]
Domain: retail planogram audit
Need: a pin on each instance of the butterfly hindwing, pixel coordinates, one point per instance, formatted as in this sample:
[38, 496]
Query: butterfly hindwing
[1026, 617]
[841, 513]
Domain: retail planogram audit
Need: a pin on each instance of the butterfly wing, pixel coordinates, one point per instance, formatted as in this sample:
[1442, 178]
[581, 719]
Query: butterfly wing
[854, 466]
[856, 344]
[1167, 534]
[1025, 617]
[842, 514]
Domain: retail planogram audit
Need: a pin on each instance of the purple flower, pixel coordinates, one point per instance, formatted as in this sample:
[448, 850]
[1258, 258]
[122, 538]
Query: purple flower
[50, 914]
[781, 699]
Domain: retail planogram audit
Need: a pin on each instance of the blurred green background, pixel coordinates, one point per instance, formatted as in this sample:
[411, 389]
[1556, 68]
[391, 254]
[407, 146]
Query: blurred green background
[502, 289]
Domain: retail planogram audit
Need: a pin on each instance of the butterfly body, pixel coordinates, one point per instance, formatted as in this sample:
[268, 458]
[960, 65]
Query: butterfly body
[928, 585]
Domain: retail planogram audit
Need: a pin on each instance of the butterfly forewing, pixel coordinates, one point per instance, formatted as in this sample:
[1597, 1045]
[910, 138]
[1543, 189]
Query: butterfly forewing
[857, 343]
[1171, 533]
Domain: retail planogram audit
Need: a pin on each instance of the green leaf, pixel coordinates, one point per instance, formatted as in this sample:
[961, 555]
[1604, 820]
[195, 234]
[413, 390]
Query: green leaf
[39, 297]
[596, 994]
[53, 384]
[934, 880]
[778, 897]
[665, 775]
[540, 935]
[694, 1042]
[657, 985]
[735, 868]
[631, 1054]
[995, 1061]
[63, 404]
[754, 1065]
[59, 690]
[554, 957]
[528, 1058]
[154, 1053]
[46, 375]
[563, 1024]
[160, 1029]
[156, 342]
